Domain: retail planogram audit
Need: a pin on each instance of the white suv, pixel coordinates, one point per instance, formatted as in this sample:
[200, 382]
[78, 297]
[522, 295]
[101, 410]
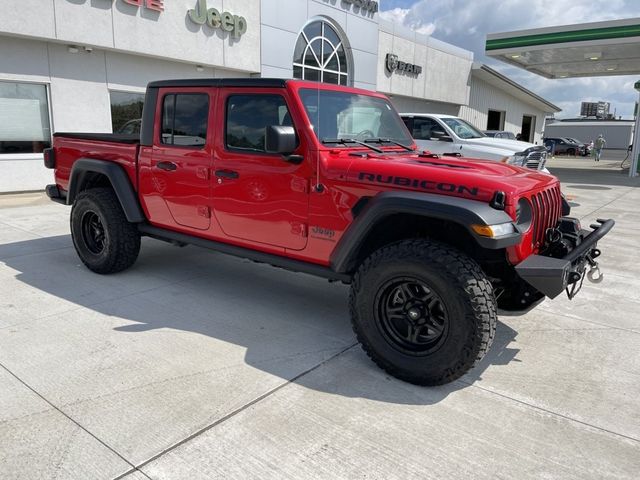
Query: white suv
[442, 134]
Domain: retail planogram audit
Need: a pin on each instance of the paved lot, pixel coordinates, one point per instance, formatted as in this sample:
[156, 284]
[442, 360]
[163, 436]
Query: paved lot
[196, 365]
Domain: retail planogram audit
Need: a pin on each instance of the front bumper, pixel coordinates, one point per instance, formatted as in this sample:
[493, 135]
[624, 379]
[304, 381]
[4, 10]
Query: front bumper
[551, 275]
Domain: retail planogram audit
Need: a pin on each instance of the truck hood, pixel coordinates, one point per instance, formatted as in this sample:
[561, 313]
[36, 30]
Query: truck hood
[512, 146]
[456, 176]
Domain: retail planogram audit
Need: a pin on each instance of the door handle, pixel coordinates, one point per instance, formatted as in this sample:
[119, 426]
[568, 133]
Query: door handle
[227, 174]
[168, 166]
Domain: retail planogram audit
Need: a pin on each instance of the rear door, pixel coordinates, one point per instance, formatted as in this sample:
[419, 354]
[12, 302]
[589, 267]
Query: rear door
[258, 196]
[175, 179]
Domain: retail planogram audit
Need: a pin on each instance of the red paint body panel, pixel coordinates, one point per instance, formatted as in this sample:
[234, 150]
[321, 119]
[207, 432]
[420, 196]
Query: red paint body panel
[178, 199]
[269, 201]
[272, 205]
[68, 150]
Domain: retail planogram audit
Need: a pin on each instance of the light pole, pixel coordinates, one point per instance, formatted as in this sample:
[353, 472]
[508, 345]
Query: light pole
[635, 152]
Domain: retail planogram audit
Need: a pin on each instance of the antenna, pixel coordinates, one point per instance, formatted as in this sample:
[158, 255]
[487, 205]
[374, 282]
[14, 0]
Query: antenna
[318, 187]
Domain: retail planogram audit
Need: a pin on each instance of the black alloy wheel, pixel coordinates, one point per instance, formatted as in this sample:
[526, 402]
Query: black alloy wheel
[93, 232]
[411, 316]
[423, 311]
[104, 239]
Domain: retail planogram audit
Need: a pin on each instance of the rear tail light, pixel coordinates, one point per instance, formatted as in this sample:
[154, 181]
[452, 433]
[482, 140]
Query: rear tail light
[49, 158]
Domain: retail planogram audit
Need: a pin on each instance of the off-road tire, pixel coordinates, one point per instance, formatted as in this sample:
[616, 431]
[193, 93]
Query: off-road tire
[466, 295]
[120, 243]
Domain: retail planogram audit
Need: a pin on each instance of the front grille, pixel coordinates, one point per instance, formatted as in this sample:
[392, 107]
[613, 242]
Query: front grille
[536, 159]
[547, 210]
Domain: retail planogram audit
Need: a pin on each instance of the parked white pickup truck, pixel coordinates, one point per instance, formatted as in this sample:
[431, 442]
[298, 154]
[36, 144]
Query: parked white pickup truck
[442, 134]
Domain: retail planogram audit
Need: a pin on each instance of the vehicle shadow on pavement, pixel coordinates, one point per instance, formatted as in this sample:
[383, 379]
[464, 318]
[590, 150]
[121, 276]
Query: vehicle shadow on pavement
[279, 317]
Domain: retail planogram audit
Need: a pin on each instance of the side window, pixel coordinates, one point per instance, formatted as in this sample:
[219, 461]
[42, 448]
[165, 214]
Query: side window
[184, 119]
[248, 116]
[423, 128]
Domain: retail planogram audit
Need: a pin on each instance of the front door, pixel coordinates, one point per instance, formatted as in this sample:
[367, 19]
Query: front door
[258, 196]
[528, 128]
[430, 135]
[175, 180]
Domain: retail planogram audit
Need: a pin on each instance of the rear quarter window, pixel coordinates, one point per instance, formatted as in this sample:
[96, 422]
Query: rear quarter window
[184, 119]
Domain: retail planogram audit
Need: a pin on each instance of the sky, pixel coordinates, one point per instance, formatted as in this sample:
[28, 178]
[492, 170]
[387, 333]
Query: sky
[465, 23]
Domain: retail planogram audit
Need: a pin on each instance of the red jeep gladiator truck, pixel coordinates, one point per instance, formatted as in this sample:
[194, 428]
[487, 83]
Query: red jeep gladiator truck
[326, 180]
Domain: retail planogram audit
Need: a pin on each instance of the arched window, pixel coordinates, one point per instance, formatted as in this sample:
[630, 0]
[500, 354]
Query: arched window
[320, 54]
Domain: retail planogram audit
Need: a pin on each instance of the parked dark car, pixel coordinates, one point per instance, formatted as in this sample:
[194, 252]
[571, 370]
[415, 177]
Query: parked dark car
[585, 148]
[562, 146]
[500, 134]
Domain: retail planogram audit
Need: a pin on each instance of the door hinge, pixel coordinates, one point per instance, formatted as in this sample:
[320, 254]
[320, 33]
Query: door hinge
[204, 211]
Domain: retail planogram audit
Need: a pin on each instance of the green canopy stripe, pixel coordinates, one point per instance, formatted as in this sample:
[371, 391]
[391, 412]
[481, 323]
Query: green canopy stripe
[565, 37]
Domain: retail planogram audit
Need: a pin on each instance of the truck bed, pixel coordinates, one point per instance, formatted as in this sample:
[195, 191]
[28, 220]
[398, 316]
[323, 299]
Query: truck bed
[117, 148]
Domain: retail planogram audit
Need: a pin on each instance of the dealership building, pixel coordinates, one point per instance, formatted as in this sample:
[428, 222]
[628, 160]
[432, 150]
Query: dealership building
[82, 65]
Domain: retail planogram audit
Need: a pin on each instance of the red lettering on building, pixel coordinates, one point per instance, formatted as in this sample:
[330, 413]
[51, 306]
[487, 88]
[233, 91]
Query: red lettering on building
[157, 5]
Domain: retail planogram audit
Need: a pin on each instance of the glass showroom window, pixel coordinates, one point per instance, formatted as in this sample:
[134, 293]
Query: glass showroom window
[24, 118]
[320, 55]
[126, 112]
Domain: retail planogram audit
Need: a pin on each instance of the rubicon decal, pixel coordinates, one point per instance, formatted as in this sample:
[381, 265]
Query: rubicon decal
[427, 185]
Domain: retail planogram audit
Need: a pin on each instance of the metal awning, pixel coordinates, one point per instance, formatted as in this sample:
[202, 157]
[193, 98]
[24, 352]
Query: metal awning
[583, 50]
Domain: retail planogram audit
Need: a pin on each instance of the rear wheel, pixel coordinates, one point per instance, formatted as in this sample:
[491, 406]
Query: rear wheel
[423, 311]
[103, 238]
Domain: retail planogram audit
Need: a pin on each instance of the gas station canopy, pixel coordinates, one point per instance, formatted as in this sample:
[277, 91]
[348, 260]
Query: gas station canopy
[583, 50]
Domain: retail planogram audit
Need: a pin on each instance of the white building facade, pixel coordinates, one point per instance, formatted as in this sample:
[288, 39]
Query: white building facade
[82, 65]
[617, 133]
[498, 103]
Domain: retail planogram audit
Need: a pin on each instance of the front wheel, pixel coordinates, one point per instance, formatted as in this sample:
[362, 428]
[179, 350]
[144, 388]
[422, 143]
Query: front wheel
[423, 311]
[104, 240]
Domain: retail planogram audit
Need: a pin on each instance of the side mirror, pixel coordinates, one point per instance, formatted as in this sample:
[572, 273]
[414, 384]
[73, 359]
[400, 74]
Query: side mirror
[280, 139]
[441, 136]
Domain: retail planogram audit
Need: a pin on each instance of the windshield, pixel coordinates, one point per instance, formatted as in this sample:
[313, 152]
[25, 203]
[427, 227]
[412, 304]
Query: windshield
[341, 115]
[462, 129]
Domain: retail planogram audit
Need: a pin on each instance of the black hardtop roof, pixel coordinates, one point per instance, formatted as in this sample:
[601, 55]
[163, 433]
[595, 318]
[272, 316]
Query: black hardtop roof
[220, 82]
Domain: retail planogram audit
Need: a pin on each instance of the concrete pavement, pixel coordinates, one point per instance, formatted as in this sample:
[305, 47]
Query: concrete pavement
[196, 365]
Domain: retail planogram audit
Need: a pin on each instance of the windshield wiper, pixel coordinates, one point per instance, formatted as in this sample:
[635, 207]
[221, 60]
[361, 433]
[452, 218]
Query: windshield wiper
[344, 141]
[388, 140]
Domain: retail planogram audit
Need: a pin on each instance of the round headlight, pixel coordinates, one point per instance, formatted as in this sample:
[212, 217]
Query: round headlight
[524, 214]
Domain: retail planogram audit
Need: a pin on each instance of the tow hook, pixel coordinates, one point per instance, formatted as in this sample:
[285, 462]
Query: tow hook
[594, 274]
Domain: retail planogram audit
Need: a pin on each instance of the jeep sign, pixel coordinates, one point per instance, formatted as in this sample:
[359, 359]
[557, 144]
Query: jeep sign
[394, 65]
[212, 17]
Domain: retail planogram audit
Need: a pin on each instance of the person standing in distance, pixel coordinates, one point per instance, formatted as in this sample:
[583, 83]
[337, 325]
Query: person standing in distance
[598, 146]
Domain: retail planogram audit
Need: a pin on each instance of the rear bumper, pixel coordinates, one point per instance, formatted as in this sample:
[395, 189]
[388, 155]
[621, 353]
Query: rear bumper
[550, 276]
[56, 194]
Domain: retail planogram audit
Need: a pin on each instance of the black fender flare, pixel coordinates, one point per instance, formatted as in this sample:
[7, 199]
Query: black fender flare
[454, 209]
[119, 181]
